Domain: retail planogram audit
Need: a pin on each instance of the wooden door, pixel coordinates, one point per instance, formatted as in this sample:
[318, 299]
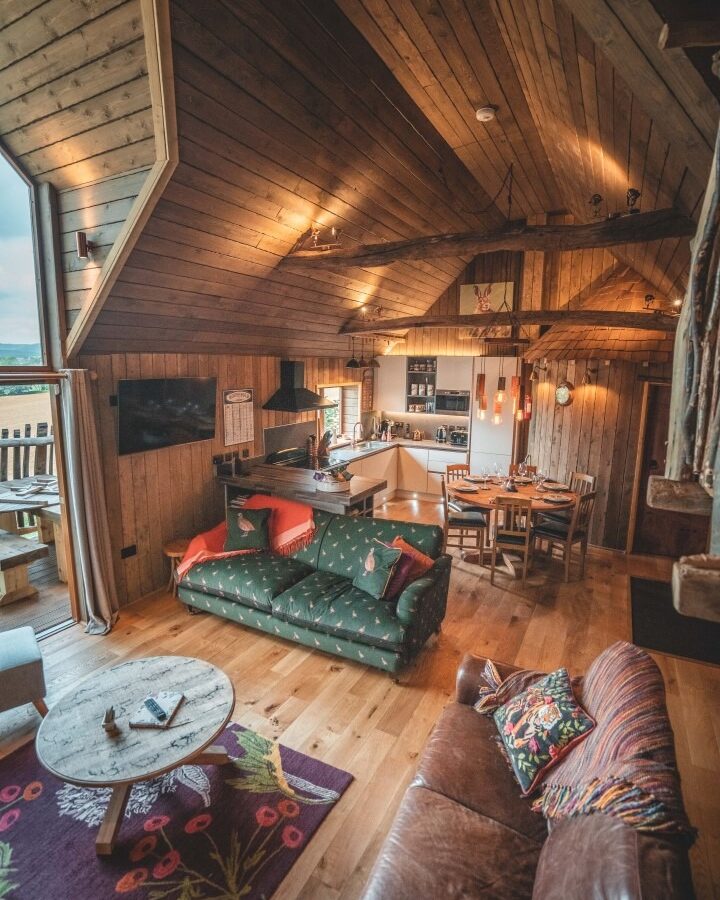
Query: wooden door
[659, 532]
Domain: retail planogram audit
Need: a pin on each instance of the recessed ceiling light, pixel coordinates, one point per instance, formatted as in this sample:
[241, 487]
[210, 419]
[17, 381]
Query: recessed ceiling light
[485, 113]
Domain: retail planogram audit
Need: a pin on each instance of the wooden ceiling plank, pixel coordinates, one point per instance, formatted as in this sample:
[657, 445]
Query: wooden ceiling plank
[72, 51]
[118, 103]
[85, 83]
[128, 158]
[107, 191]
[502, 77]
[649, 87]
[349, 92]
[26, 37]
[644, 24]
[318, 144]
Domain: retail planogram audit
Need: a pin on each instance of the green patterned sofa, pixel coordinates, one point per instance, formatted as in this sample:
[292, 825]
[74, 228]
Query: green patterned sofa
[309, 597]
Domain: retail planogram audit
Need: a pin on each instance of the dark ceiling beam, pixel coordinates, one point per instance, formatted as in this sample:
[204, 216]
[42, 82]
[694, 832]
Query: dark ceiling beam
[647, 321]
[698, 33]
[629, 229]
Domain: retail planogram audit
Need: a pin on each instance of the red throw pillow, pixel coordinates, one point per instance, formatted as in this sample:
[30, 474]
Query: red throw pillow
[421, 561]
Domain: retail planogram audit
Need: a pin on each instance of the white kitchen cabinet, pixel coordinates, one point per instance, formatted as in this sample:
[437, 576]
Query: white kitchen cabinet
[390, 384]
[412, 470]
[454, 373]
[438, 461]
[383, 466]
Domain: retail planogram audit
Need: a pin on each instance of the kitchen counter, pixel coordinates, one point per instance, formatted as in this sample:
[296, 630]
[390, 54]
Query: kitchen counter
[299, 484]
[349, 454]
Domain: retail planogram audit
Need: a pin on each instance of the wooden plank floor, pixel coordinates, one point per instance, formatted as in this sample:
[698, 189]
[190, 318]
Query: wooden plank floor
[375, 727]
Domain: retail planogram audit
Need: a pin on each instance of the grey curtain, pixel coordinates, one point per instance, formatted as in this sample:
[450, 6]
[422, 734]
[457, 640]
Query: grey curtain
[86, 503]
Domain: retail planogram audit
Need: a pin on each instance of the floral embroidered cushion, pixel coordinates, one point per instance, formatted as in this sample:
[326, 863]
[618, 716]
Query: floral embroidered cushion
[376, 569]
[422, 561]
[247, 529]
[539, 726]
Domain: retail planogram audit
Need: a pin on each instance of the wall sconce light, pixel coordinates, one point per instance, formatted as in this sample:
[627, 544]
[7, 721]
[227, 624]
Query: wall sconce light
[649, 300]
[632, 197]
[588, 376]
[83, 246]
[535, 374]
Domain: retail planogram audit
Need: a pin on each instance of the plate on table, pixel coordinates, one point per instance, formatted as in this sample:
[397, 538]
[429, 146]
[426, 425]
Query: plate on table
[555, 498]
[464, 488]
[556, 486]
[522, 479]
[475, 479]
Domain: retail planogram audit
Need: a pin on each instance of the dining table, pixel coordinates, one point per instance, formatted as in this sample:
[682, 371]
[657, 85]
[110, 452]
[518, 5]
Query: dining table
[486, 492]
[25, 495]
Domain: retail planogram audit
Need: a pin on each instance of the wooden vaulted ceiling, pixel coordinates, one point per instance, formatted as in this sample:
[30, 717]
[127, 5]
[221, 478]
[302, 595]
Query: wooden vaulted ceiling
[352, 113]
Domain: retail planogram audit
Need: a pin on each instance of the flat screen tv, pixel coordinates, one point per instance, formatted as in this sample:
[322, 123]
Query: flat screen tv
[161, 412]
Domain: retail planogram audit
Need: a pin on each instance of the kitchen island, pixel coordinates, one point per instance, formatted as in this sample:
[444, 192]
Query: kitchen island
[299, 484]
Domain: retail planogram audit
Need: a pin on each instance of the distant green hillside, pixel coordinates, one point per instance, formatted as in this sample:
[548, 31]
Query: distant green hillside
[20, 355]
[24, 353]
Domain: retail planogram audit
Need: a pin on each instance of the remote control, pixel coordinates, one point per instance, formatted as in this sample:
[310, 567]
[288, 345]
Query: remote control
[156, 709]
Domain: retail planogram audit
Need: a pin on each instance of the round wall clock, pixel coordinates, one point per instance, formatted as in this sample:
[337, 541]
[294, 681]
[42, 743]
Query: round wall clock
[564, 393]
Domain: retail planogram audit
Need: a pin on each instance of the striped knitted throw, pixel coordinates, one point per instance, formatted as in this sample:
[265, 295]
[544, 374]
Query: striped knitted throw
[625, 767]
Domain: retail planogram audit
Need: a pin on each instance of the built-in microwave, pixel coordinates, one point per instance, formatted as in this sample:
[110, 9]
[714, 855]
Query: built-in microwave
[452, 403]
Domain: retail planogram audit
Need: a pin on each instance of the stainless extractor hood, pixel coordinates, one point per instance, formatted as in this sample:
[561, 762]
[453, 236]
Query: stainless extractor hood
[293, 396]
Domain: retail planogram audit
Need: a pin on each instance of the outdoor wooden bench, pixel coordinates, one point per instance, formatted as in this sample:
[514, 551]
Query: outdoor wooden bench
[16, 552]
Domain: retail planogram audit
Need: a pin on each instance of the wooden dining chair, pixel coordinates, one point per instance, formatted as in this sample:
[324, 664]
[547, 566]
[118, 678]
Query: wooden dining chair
[580, 484]
[529, 470]
[513, 531]
[566, 535]
[456, 471]
[464, 529]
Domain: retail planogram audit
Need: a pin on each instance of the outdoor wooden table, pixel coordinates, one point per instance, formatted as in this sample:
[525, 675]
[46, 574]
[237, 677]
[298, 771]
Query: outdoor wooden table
[485, 498]
[12, 501]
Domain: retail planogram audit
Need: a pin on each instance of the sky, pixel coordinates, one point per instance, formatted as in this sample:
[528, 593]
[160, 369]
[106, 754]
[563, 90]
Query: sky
[18, 303]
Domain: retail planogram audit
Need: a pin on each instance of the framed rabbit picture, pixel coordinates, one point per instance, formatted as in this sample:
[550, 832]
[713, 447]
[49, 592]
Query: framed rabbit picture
[489, 297]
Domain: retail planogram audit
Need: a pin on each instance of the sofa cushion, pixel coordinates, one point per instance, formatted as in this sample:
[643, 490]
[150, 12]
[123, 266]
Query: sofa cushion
[330, 604]
[310, 553]
[440, 848]
[600, 856]
[540, 725]
[247, 529]
[462, 761]
[348, 539]
[376, 571]
[251, 579]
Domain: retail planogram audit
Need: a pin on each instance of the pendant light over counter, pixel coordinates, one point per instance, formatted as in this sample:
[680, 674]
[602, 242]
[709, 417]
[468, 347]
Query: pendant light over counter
[352, 363]
[480, 391]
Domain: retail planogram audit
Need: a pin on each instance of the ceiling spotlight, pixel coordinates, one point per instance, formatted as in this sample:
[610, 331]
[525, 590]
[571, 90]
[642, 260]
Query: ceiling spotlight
[485, 113]
[677, 303]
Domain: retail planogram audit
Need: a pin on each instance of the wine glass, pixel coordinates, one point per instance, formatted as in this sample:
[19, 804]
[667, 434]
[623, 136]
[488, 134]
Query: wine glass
[522, 469]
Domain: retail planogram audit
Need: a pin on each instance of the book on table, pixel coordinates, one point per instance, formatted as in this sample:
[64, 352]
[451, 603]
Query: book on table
[168, 701]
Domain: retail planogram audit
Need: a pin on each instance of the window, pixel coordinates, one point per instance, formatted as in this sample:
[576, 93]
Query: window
[343, 417]
[20, 343]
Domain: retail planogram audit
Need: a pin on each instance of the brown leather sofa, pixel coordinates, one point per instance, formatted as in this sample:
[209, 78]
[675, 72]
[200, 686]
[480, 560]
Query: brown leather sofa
[463, 830]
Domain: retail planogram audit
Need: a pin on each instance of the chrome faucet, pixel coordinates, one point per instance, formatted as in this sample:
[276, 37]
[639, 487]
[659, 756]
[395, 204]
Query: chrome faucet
[362, 433]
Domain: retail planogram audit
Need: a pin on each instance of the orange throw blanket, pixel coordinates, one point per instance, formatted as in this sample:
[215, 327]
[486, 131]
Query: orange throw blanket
[291, 527]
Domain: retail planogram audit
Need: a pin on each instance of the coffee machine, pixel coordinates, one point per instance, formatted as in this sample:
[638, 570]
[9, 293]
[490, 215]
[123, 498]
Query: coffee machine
[441, 434]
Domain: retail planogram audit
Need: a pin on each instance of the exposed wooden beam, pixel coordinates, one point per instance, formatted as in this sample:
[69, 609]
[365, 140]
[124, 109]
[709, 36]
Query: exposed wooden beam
[650, 321]
[612, 25]
[649, 226]
[697, 33]
[158, 49]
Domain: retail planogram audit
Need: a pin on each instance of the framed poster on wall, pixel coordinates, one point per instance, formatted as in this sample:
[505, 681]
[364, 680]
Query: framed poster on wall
[487, 297]
[238, 414]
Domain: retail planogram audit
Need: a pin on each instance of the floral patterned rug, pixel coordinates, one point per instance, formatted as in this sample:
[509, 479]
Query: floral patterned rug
[198, 832]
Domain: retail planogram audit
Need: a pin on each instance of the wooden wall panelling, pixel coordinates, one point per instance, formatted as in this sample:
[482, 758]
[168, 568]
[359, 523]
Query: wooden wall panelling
[75, 100]
[598, 433]
[100, 209]
[155, 496]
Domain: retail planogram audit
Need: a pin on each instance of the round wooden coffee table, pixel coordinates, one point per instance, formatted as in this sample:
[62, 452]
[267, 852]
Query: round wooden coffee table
[72, 744]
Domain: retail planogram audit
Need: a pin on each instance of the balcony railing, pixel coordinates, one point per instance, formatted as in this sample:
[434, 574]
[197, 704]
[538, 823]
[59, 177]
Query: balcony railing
[25, 454]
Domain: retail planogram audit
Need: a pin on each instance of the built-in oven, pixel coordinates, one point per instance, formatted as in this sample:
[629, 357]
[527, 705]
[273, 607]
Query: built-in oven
[452, 403]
